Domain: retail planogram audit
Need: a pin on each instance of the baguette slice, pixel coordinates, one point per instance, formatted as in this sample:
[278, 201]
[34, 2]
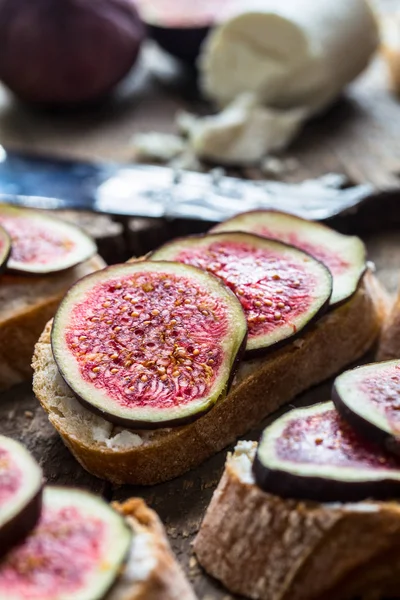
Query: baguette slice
[260, 387]
[389, 342]
[152, 572]
[268, 548]
[26, 304]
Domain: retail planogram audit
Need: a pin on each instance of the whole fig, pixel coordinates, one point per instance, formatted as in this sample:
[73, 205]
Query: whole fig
[67, 52]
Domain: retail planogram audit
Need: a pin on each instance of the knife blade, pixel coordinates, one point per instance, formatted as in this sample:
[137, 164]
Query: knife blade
[139, 190]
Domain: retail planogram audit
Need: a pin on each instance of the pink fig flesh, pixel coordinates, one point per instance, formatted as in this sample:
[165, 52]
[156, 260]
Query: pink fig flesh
[21, 483]
[5, 248]
[42, 244]
[344, 255]
[76, 550]
[280, 288]
[326, 439]
[312, 453]
[368, 397]
[148, 344]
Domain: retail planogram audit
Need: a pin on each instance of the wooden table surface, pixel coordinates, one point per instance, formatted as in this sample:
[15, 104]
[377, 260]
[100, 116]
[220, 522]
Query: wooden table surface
[360, 137]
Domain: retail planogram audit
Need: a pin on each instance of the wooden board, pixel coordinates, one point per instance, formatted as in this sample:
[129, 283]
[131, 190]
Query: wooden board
[359, 137]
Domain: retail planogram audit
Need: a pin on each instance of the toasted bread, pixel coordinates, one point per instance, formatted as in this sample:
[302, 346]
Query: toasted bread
[26, 304]
[260, 387]
[151, 572]
[269, 548]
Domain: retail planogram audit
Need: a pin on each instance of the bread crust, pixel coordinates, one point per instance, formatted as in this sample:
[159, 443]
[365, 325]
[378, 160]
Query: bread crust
[296, 550]
[26, 304]
[389, 342]
[337, 339]
[152, 572]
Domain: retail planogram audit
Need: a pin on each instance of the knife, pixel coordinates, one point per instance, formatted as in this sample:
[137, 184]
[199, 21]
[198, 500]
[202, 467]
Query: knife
[138, 190]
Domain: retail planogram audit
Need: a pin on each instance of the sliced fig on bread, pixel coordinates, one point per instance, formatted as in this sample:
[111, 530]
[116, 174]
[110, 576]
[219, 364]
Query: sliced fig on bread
[21, 483]
[42, 244]
[313, 454]
[76, 552]
[281, 288]
[368, 398]
[344, 255]
[149, 344]
[5, 248]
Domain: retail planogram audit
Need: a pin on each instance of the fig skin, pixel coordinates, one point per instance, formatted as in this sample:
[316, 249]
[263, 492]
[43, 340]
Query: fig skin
[14, 528]
[180, 27]
[183, 43]
[68, 52]
[390, 443]
[50, 224]
[144, 424]
[15, 531]
[293, 483]
[6, 250]
[314, 489]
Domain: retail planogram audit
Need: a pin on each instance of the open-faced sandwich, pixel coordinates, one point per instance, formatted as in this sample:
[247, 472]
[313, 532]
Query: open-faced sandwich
[40, 258]
[61, 543]
[153, 366]
[312, 511]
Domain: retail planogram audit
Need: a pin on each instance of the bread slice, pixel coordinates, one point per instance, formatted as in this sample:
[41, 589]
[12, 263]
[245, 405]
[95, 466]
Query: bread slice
[26, 304]
[152, 572]
[260, 387]
[389, 342]
[268, 548]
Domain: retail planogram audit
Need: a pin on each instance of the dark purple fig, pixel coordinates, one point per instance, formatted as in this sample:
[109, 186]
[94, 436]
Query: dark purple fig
[76, 552]
[179, 26]
[149, 344]
[5, 248]
[281, 288]
[67, 52]
[368, 398]
[42, 244]
[21, 483]
[344, 255]
[313, 454]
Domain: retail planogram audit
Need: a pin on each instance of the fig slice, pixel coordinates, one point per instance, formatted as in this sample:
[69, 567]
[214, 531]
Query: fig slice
[76, 552]
[344, 255]
[368, 398]
[313, 454]
[42, 244]
[21, 483]
[149, 344]
[281, 288]
[5, 248]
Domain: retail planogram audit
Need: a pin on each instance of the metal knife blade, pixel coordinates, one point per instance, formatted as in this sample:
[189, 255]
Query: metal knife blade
[153, 191]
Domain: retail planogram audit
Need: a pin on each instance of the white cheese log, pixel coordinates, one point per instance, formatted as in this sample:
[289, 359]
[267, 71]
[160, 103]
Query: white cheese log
[289, 53]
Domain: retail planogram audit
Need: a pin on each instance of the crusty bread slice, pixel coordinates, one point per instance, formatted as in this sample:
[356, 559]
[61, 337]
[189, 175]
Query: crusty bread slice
[260, 387]
[268, 548]
[389, 342]
[152, 572]
[26, 304]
